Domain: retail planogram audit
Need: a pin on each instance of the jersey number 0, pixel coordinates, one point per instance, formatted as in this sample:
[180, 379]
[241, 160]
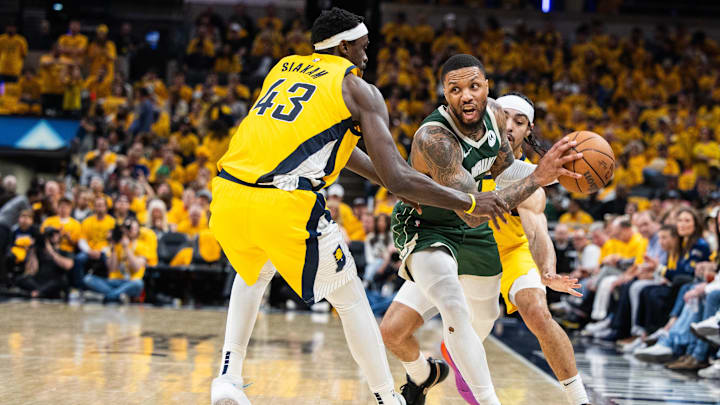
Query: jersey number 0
[266, 101]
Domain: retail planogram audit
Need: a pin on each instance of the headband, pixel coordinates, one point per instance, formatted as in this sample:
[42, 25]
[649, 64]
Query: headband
[517, 103]
[350, 35]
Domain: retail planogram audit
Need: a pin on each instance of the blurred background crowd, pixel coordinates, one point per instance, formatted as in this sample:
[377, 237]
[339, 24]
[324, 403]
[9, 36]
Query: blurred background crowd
[127, 218]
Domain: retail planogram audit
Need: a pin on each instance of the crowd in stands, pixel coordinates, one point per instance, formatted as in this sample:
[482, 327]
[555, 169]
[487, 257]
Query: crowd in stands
[137, 190]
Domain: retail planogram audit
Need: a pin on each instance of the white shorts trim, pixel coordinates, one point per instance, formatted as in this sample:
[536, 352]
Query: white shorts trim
[530, 280]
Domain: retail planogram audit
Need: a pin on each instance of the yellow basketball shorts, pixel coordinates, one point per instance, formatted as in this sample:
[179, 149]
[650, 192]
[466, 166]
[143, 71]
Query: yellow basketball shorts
[292, 229]
[519, 272]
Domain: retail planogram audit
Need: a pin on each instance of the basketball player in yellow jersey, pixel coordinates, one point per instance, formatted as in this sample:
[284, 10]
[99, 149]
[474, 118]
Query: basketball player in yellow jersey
[267, 213]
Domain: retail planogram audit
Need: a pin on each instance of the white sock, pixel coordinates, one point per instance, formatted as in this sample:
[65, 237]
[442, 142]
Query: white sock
[418, 370]
[245, 302]
[363, 338]
[575, 390]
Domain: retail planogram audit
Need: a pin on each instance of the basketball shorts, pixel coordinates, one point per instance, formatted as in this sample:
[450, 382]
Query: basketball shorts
[519, 272]
[292, 229]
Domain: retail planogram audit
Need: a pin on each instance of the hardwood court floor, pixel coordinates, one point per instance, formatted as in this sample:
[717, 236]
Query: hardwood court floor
[53, 353]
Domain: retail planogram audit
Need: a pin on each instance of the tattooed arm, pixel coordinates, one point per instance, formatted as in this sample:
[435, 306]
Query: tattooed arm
[438, 154]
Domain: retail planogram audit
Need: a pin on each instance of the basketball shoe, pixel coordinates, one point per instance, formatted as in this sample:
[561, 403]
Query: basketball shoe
[225, 391]
[415, 394]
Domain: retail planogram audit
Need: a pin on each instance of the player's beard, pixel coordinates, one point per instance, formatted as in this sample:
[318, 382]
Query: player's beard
[469, 129]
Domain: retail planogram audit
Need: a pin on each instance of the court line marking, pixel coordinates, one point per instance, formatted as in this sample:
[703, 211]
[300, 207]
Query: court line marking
[523, 360]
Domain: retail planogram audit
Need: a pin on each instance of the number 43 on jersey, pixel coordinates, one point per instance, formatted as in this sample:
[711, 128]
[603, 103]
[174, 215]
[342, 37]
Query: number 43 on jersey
[301, 92]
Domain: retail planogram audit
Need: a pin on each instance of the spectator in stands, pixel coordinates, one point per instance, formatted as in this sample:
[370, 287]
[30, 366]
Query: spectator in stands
[200, 52]
[157, 217]
[564, 250]
[352, 225]
[145, 114]
[201, 161]
[13, 49]
[52, 69]
[67, 226]
[121, 209]
[655, 301]
[194, 223]
[240, 16]
[93, 243]
[126, 265]
[377, 244]
[83, 209]
[47, 266]
[180, 210]
[8, 189]
[73, 45]
[588, 255]
[575, 217]
[24, 235]
[102, 53]
[72, 96]
[9, 216]
[126, 44]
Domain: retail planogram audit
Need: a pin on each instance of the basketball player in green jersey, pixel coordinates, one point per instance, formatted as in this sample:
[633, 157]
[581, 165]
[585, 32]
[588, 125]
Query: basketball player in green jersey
[457, 145]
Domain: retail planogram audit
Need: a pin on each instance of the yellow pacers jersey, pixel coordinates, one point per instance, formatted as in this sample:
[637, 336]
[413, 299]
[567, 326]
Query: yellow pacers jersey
[512, 234]
[299, 128]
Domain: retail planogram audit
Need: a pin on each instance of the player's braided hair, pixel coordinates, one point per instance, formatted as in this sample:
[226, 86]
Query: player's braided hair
[530, 139]
[332, 22]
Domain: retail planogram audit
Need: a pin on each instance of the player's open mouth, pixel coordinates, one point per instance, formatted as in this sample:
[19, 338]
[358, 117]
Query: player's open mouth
[469, 112]
[511, 139]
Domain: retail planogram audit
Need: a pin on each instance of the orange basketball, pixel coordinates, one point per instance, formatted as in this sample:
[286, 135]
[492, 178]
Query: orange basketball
[596, 166]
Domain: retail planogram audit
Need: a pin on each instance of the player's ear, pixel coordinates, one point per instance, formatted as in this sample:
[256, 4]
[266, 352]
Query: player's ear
[344, 50]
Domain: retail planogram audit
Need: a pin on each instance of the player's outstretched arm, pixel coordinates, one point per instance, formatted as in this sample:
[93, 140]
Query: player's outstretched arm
[534, 224]
[360, 164]
[368, 107]
[436, 151]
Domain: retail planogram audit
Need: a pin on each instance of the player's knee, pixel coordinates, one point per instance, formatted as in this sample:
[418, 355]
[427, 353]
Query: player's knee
[394, 332]
[455, 310]
[537, 317]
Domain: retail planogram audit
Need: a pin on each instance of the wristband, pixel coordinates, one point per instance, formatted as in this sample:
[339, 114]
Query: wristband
[472, 205]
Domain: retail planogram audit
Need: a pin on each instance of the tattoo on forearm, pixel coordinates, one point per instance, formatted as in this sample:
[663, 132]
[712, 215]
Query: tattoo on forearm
[519, 191]
[442, 155]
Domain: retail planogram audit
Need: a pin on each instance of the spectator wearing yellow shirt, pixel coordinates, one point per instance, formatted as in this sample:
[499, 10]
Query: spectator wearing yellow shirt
[575, 217]
[270, 20]
[73, 44]
[99, 85]
[201, 50]
[227, 62]
[30, 88]
[126, 265]
[179, 211]
[72, 98]
[194, 223]
[201, 160]
[102, 53]
[93, 243]
[706, 152]
[69, 227]
[52, 68]
[350, 222]
[102, 150]
[13, 48]
[397, 29]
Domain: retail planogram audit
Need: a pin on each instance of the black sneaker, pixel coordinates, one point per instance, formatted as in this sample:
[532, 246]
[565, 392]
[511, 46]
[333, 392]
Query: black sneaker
[415, 394]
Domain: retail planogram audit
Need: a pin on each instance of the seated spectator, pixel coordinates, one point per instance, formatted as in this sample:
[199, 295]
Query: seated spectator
[73, 44]
[8, 190]
[9, 217]
[93, 243]
[23, 237]
[656, 301]
[68, 227]
[102, 53]
[195, 222]
[377, 244]
[47, 266]
[201, 160]
[352, 225]
[180, 210]
[52, 67]
[121, 210]
[103, 152]
[82, 208]
[564, 251]
[575, 217]
[126, 265]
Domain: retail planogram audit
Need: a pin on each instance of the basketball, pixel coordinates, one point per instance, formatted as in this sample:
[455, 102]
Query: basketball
[596, 166]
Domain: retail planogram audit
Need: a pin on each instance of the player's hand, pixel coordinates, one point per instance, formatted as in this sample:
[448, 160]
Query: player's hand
[550, 167]
[413, 204]
[489, 204]
[562, 284]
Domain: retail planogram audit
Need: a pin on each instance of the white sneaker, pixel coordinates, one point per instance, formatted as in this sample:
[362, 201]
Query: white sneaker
[592, 328]
[634, 345]
[711, 372]
[655, 354]
[708, 327]
[225, 391]
[657, 334]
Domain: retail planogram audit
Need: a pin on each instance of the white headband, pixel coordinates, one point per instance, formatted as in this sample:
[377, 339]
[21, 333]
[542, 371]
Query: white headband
[517, 103]
[350, 35]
